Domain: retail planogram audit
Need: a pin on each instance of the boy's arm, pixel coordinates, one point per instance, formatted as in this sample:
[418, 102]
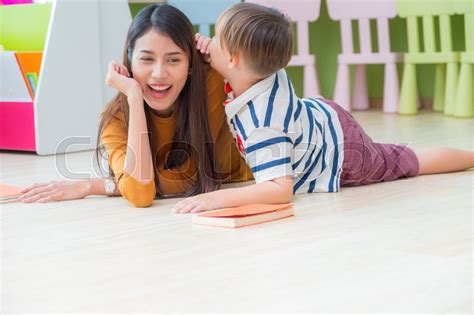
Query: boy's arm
[278, 190]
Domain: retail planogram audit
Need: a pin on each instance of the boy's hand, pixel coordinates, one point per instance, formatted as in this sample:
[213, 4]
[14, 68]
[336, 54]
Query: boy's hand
[202, 44]
[278, 190]
[199, 203]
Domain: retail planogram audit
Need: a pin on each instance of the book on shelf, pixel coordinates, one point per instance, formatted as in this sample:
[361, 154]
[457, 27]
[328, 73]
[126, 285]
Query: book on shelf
[244, 215]
[33, 82]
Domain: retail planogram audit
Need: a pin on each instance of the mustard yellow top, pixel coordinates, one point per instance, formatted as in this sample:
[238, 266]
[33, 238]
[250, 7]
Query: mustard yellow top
[181, 179]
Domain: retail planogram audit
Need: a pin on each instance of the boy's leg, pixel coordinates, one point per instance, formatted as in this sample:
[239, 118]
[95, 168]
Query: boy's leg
[444, 160]
[367, 162]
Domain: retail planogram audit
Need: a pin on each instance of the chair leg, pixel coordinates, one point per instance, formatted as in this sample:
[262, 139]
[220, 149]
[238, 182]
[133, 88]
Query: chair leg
[464, 97]
[408, 95]
[391, 89]
[451, 83]
[310, 83]
[342, 89]
[360, 95]
[440, 83]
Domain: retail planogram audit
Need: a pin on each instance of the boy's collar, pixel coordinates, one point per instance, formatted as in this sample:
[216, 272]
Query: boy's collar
[233, 105]
[229, 91]
[227, 88]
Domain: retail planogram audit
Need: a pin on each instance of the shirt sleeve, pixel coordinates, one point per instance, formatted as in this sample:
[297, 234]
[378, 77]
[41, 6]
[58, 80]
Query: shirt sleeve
[114, 137]
[269, 154]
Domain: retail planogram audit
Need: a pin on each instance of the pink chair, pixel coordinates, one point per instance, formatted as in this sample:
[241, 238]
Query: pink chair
[301, 12]
[8, 2]
[364, 10]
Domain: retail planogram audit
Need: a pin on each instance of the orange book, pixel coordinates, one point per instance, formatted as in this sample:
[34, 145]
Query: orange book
[29, 62]
[244, 215]
[8, 193]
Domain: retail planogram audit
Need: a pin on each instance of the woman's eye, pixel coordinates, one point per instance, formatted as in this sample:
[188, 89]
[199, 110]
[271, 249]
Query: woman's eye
[173, 60]
[146, 59]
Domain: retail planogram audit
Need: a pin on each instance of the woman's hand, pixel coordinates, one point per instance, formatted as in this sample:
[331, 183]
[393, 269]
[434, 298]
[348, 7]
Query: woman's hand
[202, 44]
[119, 78]
[55, 191]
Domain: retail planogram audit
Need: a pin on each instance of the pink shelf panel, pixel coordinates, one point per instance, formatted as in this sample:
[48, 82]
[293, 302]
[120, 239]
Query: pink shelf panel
[17, 126]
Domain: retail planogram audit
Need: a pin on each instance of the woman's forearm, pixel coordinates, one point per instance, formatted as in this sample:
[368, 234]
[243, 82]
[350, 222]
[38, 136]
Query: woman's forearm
[138, 161]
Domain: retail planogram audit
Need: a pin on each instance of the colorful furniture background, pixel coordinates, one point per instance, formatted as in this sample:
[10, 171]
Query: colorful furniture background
[445, 58]
[302, 12]
[66, 104]
[203, 12]
[62, 115]
[325, 43]
[464, 105]
[363, 11]
[15, 104]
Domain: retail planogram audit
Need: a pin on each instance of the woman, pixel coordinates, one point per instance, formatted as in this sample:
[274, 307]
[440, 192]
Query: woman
[165, 133]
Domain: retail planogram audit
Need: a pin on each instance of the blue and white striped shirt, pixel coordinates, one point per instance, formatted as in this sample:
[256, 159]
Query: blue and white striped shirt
[280, 134]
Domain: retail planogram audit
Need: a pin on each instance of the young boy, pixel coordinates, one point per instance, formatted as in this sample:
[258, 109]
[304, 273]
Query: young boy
[294, 145]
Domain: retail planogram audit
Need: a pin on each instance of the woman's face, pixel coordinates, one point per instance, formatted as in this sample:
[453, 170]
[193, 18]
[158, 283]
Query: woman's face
[161, 68]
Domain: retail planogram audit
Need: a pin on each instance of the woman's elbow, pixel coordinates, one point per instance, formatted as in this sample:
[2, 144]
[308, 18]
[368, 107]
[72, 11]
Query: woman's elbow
[140, 200]
[139, 196]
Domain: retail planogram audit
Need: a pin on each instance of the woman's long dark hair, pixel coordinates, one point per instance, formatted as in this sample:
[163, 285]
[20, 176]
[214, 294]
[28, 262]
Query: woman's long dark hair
[192, 138]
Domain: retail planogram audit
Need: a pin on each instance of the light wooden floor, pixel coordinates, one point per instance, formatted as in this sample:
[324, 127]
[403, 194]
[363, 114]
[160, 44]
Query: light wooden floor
[403, 246]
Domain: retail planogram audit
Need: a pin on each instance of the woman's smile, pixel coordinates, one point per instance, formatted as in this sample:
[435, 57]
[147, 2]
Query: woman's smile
[159, 91]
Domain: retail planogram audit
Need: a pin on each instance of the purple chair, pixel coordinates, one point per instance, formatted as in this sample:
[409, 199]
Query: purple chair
[363, 10]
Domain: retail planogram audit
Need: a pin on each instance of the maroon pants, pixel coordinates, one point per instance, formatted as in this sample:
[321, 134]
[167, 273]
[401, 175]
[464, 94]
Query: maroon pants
[367, 162]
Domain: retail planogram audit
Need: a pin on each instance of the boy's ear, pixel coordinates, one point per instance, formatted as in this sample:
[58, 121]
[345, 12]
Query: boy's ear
[234, 61]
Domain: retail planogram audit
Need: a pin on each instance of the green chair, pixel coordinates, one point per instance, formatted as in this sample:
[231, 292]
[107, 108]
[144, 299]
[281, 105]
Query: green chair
[464, 105]
[445, 59]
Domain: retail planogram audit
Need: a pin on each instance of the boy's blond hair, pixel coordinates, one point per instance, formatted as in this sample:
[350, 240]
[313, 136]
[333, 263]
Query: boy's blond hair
[261, 35]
